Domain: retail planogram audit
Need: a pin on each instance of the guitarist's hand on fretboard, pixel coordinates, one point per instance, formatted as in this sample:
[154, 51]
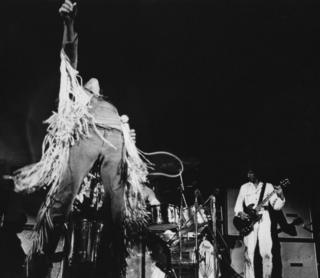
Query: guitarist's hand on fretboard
[279, 191]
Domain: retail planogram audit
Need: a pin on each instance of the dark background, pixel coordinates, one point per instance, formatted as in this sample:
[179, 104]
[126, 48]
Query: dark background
[152, 60]
[234, 82]
[227, 83]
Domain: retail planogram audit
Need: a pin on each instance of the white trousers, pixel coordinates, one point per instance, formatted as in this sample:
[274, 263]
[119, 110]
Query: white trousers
[261, 234]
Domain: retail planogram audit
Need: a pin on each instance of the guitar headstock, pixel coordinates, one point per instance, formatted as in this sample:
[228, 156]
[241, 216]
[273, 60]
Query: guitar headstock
[284, 183]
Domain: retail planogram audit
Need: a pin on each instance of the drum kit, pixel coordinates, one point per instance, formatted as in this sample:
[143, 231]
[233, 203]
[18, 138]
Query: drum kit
[188, 235]
[180, 238]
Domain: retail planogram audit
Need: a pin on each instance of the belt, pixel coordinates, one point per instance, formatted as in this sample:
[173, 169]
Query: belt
[108, 127]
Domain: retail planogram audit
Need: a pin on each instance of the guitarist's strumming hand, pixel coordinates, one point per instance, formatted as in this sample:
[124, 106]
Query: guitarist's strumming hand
[243, 215]
[279, 191]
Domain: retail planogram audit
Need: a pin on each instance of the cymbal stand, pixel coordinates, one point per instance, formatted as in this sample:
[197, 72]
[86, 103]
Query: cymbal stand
[183, 203]
[214, 231]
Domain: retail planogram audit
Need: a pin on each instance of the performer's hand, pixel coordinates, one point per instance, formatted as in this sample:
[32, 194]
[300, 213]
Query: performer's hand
[279, 191]
[133, 135]
[68, 11]
[243, 215]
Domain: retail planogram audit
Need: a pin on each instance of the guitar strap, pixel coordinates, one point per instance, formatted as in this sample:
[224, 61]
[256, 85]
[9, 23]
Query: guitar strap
[262, 192]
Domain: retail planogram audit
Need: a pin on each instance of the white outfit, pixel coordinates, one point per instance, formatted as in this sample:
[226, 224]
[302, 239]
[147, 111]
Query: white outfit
[249, 194]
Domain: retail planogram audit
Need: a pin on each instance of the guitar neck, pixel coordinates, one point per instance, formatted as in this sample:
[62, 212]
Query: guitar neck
[265, 201]
[283, 183]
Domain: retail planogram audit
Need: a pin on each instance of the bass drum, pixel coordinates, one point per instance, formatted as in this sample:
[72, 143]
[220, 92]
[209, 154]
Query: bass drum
[208, 266]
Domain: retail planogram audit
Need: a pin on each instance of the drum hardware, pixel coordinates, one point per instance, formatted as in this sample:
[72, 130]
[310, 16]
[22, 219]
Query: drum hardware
[183, 203]
[214, 231]
[85, 240]
[188, 250]
[163, 217]
[86, 224]
[189, 215]
[196, 193]
[185, 242]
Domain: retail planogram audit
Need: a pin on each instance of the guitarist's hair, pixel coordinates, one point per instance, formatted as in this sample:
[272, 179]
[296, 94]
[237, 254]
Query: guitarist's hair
[258, 170]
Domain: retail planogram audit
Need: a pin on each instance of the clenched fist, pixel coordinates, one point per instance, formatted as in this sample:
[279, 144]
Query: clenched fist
[68, 11]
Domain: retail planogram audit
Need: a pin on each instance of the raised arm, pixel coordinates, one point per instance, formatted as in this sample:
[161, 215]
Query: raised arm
[68, 12]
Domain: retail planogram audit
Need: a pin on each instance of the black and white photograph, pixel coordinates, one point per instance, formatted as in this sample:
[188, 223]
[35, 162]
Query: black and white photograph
[109, 108]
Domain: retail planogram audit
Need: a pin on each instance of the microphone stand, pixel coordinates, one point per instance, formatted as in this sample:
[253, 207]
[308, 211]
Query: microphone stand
[196, 234]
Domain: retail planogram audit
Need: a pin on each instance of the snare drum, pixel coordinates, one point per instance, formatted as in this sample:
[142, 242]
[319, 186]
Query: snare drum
[163, 217]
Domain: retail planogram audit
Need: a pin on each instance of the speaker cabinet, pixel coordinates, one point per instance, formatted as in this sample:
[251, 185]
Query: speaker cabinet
[297, 259]
[294, 220]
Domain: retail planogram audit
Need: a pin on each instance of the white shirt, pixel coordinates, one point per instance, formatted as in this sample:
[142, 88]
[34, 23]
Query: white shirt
[250, 194]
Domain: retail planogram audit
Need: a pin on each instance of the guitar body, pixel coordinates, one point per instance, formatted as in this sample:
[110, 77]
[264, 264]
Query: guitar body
[245, 227]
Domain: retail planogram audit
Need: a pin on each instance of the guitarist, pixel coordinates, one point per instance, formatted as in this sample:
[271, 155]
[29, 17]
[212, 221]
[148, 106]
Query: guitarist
[253, 192]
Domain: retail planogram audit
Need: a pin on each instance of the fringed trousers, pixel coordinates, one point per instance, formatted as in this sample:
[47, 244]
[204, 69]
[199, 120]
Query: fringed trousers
[81, 159]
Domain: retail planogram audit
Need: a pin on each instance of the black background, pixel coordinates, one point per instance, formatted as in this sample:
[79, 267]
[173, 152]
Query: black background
[232, 82]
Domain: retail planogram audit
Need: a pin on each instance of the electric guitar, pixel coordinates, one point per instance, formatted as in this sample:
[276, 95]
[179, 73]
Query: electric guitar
[245, 226]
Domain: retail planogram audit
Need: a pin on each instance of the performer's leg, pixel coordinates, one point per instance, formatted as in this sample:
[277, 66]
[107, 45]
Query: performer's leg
[250, 242]
[81, 159]
[111, 174]
[265, 245]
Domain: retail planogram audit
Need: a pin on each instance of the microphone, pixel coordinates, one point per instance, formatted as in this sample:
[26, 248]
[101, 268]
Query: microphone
[213, 198]
[197, 193]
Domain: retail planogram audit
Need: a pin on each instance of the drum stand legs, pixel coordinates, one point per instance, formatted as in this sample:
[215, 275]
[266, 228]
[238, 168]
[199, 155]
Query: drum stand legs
[143, 257]
[196, 247]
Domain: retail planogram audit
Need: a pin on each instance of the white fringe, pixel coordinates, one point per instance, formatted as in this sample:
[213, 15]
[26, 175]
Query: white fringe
[66, 126]
[137, 172]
